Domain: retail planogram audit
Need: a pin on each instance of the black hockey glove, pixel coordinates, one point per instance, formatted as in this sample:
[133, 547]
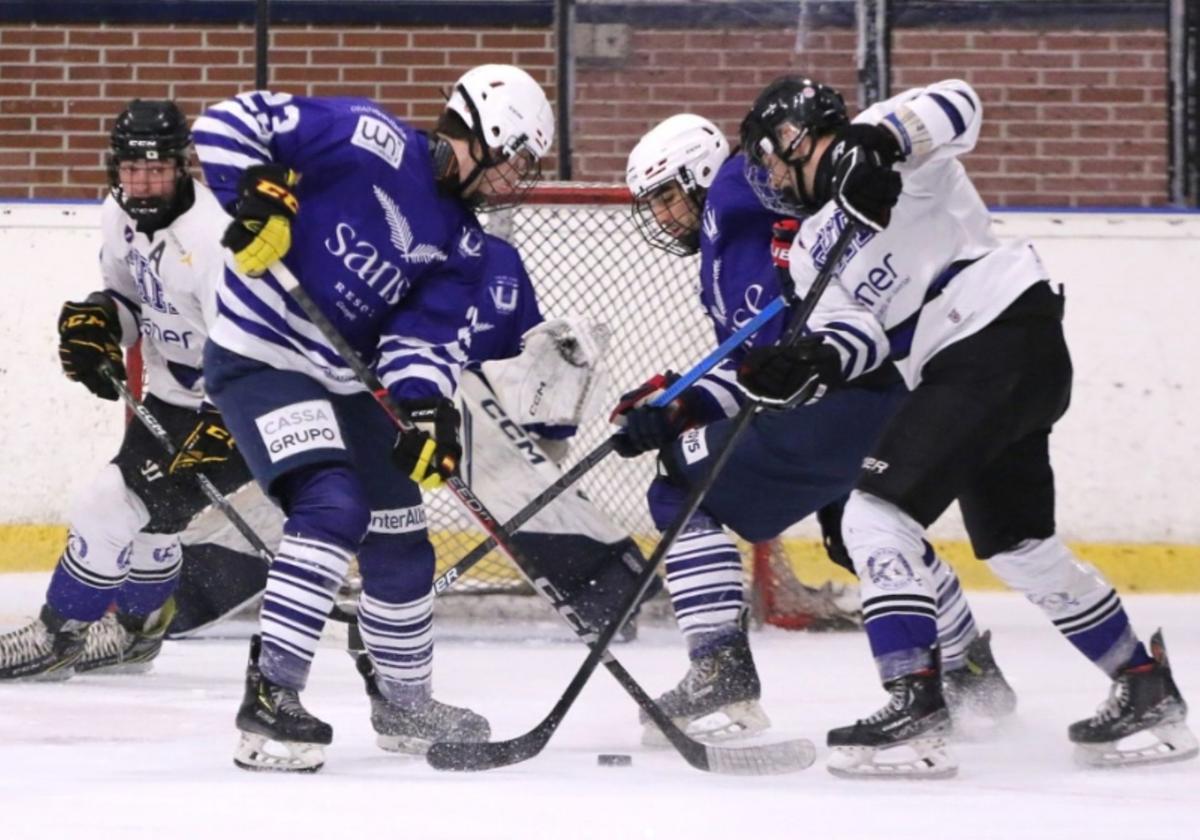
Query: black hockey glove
[261, 231]
[645, 427]
[89, 334]
[430, 453]
[209, 444]
[782, 377]
[863, 182]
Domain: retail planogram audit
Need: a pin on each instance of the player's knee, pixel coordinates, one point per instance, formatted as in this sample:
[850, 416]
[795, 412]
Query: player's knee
[666, 499]
[396, 568]
[107, 509]
[870, 524]
[1043, 568]
[325, 502]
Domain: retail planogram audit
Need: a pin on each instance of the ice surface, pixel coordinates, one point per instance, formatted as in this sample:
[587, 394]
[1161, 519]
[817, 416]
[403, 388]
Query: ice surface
[150, 756]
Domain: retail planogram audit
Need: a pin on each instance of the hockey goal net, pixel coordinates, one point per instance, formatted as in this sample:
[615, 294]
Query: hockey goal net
[586, 258]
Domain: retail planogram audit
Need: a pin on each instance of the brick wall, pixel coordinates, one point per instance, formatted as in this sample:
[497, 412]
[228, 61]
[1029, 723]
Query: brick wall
[1072, 117]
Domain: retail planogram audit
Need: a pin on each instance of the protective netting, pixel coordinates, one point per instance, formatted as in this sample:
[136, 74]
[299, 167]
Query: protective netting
[586, 258]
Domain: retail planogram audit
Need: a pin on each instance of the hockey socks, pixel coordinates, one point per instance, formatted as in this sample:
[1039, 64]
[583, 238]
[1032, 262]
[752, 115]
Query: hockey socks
[955, 624]
[1076, 598]
[301, 586]
[399, 638]
[704, 578]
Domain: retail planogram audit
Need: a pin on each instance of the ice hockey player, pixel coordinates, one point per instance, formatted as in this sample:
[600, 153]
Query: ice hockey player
[975, 329]
[690, 194]
[158, 270]
[363, 207]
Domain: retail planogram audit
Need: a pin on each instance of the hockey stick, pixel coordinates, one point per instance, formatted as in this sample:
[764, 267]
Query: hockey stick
[585, 464]
[210, 490]
[484, 756]
[777, 758]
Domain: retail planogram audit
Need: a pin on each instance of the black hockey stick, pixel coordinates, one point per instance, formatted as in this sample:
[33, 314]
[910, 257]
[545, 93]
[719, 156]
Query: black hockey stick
[485, 756]
[757, 760]
[210, 490]
[585, 464]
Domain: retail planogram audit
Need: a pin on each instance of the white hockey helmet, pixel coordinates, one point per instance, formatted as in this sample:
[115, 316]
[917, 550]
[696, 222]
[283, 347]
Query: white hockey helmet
[686, 150]
[506, 108]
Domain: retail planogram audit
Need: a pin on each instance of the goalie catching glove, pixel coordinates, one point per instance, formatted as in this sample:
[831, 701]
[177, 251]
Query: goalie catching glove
[209, 444]
[800, 374]
[89, 334]
[644, 427]
[429, 453]
[558, 378]
[261, 231]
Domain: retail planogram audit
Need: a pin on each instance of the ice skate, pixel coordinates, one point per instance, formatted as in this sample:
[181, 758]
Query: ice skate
[46, 649]
[413, 730]
[716, 700]
[124, 644]
[277, 732]
[1144, 706]
[977, 694]
[906, 739]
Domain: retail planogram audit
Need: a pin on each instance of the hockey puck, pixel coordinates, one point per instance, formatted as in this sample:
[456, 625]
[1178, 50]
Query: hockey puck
[608, 760]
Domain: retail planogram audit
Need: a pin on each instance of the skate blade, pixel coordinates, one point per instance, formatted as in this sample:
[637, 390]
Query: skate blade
[121, 668]
[925, 758]
[732, 722]
[259, 753]
[403, 745]
[1172, 742]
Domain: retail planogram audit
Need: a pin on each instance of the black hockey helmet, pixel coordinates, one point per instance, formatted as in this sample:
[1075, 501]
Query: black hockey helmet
[150, 130]
[786, 119]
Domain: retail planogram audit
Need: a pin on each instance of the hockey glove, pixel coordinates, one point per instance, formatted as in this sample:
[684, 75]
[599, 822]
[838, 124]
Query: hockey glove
[209, 444]
[429, 454]
[646, 427]
[782, 377]
[782, 234]
[863, 182]
[261, 231]
[89, 334]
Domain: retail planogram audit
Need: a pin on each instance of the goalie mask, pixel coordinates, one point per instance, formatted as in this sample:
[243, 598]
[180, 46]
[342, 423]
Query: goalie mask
[669, 173]
[510, 127]
[781, 132]
[147, 161]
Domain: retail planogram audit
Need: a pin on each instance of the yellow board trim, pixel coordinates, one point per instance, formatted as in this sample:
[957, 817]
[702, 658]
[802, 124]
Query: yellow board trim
[1130, 567]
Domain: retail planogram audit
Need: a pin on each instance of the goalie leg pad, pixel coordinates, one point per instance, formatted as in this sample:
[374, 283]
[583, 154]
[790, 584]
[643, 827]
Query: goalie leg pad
[1074, 596]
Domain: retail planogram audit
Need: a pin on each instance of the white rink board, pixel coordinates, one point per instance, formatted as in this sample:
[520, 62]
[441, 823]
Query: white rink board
[1126, 454]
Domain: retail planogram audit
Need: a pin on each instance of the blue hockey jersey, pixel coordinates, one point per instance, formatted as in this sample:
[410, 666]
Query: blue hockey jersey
[737, 279]
[372, 226]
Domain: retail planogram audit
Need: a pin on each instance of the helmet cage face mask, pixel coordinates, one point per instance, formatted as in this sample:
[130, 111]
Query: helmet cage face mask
[506, 173]
[149, 132]
[785, 124]
[667, 219]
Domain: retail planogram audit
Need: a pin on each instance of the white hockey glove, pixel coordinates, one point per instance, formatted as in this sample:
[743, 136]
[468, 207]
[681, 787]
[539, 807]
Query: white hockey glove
[559, 379]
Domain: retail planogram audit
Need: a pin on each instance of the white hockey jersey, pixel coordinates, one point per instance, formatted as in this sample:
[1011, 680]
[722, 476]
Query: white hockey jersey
[936, 274]
[165, 289]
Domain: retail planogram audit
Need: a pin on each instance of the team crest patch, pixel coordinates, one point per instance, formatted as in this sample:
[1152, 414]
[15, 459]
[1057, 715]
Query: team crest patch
[695, 445]
[298, 428]
[1054, 602]
[889, 570]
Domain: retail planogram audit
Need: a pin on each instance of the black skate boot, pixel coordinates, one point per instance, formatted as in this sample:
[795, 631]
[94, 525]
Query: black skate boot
[725, 684]
[977, 691]
[46, 649]
[273, 713]
[125, 644]
[916, 718]
[1143, 699]
[412, 731]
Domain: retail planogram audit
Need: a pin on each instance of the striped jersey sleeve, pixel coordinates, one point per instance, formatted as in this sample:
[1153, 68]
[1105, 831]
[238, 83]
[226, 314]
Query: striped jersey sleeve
[938, 121]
